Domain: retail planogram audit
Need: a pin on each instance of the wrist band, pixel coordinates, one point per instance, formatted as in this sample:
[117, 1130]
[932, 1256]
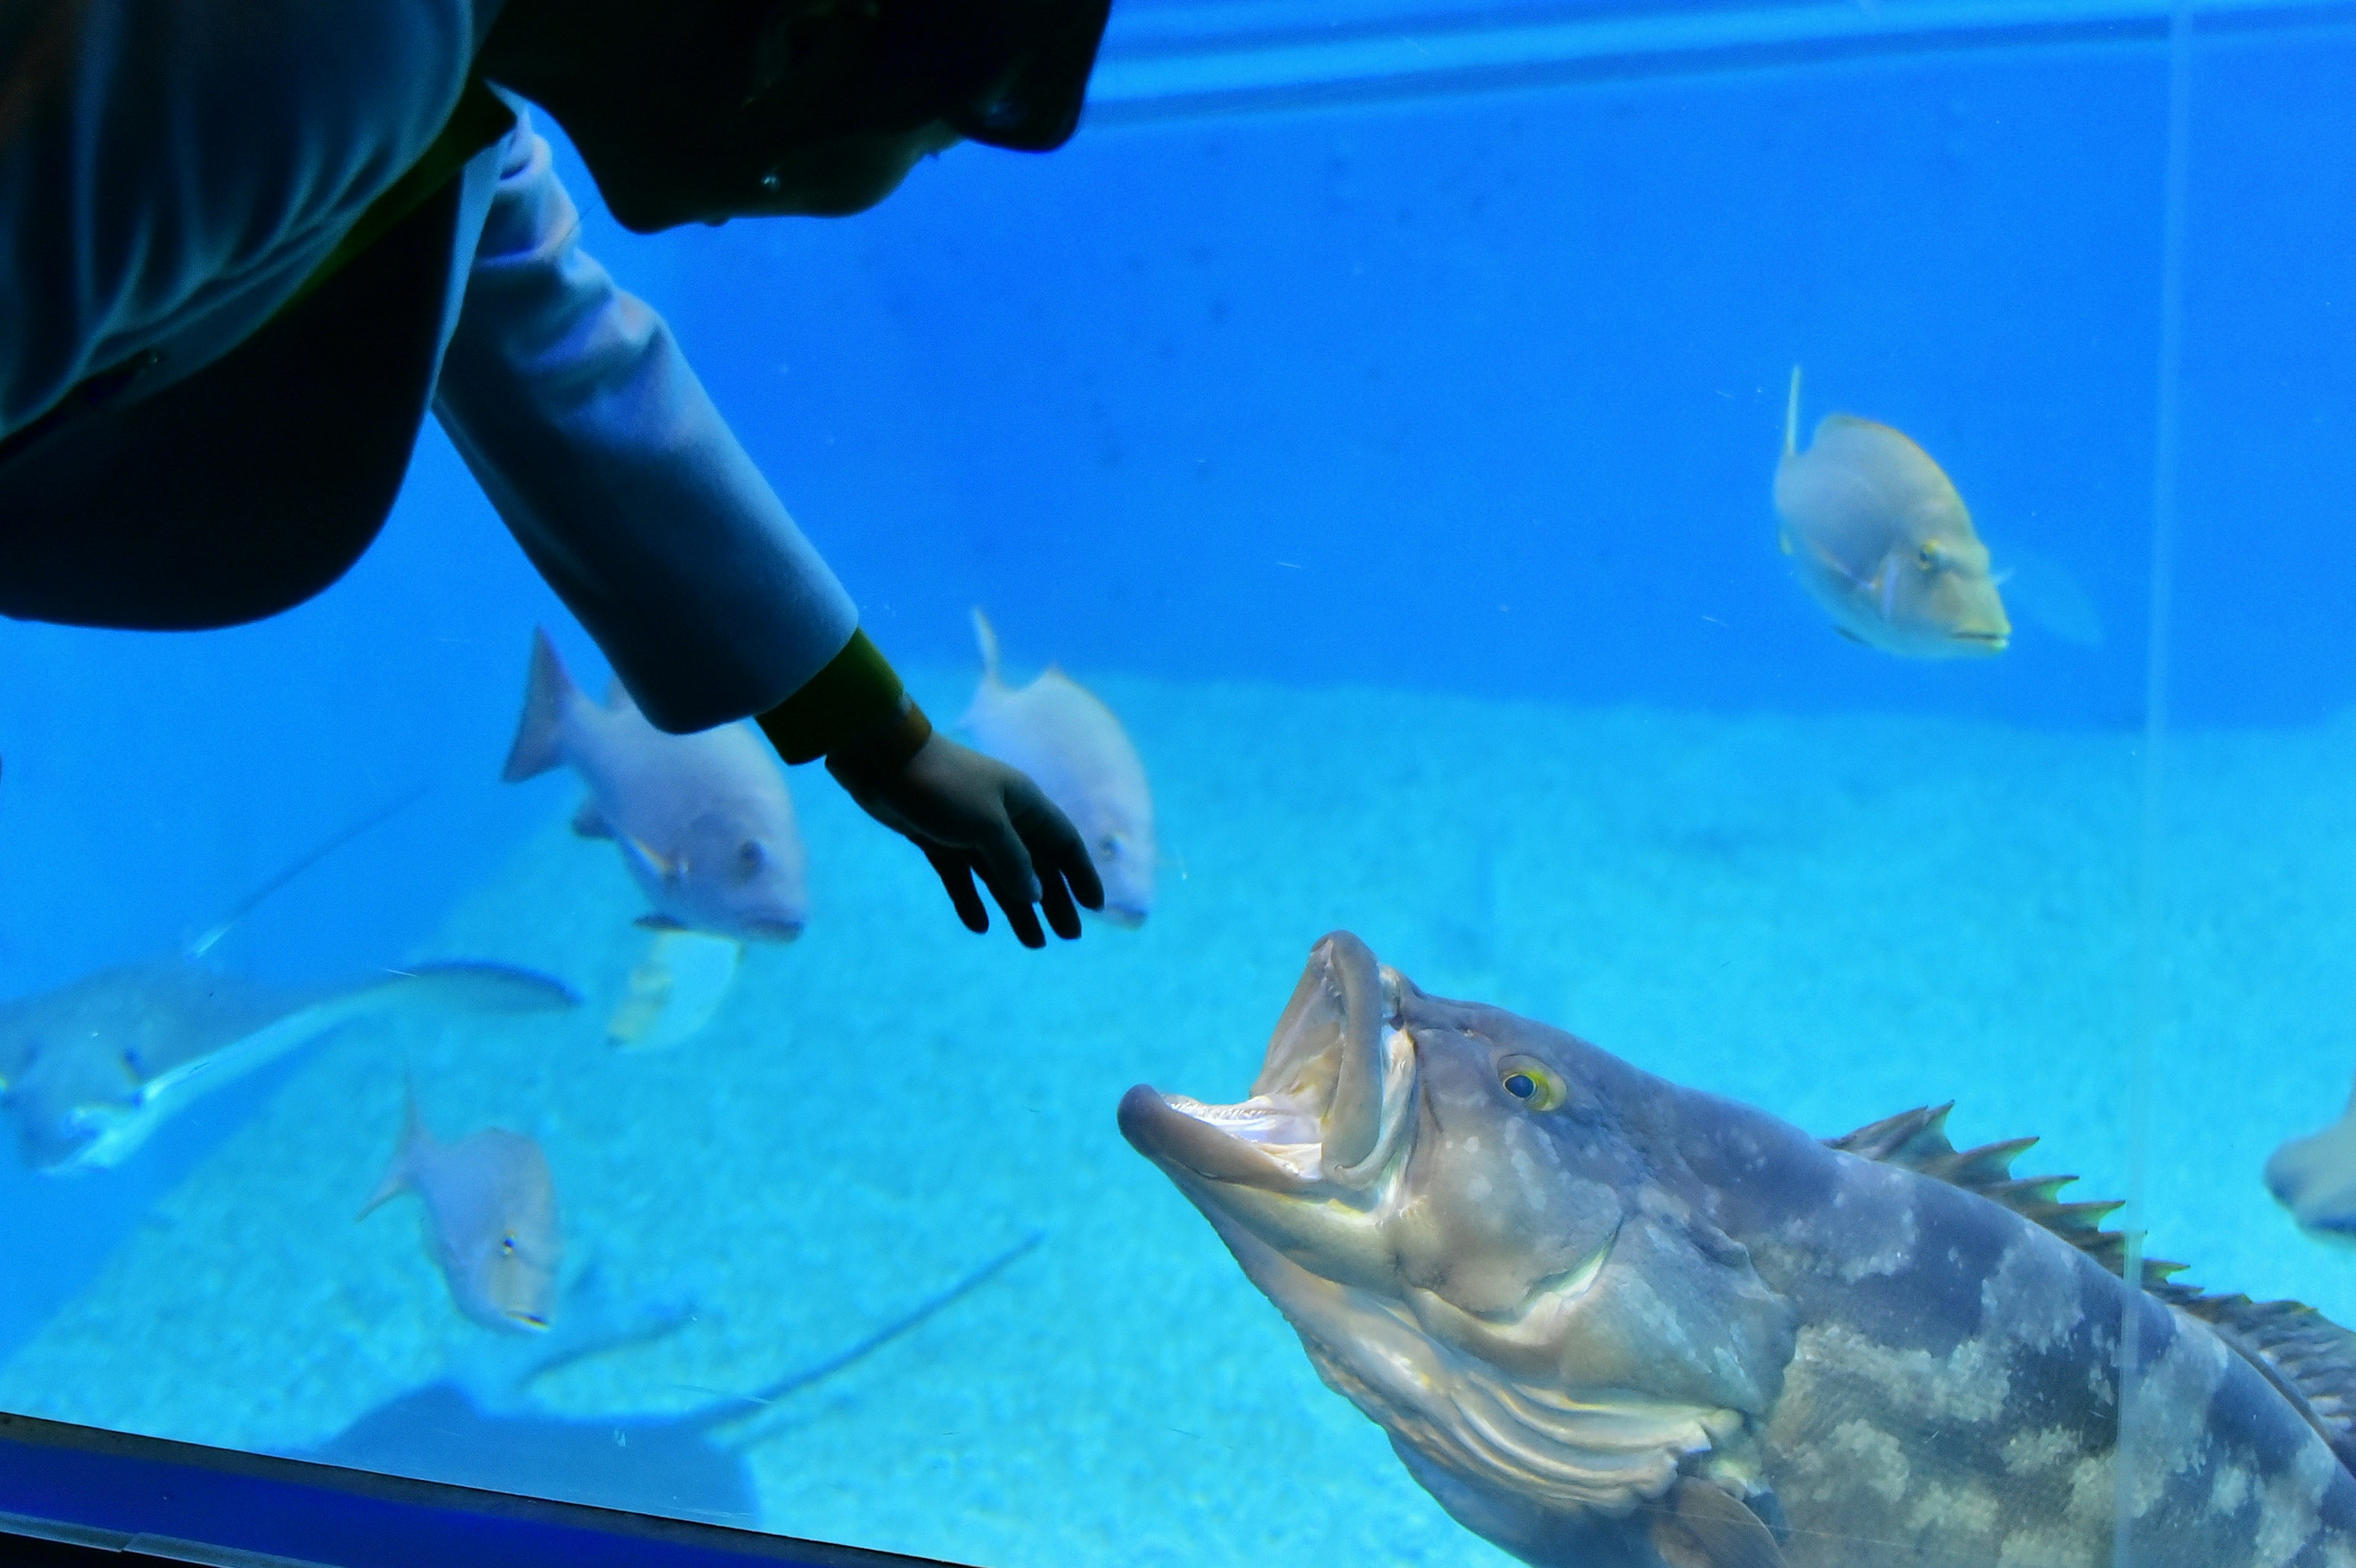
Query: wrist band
[856, 695]
[884, 750]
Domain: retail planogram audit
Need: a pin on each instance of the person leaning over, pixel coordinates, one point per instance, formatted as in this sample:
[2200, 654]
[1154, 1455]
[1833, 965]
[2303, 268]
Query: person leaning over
[245, 247]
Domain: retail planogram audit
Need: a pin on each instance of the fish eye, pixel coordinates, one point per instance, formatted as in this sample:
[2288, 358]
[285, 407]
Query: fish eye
[751, 855]
[1531, 1081]
[1929, 555]
[1109, 847]
[508, 1245]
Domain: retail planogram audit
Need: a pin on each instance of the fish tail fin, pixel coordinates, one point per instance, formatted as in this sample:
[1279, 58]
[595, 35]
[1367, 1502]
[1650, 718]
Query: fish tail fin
[988, 638]
[548, 691]
[413, 1133]
[1792, 416]
[395, 1183]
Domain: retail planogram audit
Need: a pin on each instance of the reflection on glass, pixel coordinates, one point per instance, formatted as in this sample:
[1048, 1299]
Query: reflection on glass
[1374, 497]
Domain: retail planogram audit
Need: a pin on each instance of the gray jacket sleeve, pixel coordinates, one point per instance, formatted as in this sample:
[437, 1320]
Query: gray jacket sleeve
[572, 403]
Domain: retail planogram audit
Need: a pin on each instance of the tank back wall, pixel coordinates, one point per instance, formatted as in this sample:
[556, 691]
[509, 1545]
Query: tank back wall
[1298, 392]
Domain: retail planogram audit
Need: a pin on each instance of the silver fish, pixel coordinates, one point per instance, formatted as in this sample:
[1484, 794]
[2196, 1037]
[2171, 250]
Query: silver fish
[1609, 1322]
[490, 1218]
[703, 821]
[1878, 537]
[89, 1071]
[1062, 734]
[2315, 1178]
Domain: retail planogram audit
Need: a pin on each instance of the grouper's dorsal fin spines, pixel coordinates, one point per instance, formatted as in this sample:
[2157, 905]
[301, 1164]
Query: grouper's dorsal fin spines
[2311, 1358]
[1917, 1140]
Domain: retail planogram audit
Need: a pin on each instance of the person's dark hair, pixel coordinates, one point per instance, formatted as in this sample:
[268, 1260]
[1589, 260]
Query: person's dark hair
[1010, 73]
[708, 110]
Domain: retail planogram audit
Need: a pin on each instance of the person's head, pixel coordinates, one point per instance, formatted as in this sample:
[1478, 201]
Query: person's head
[706, 109]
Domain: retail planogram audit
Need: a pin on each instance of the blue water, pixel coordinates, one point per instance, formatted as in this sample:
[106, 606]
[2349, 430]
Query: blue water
[1398, 469]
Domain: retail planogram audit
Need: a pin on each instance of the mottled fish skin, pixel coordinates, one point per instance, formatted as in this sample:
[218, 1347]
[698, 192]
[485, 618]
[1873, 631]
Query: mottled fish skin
[1878, 537]
[1075, 748]
[89, 1071]
[703, 821]
[491, 1215]
[1594, 1308]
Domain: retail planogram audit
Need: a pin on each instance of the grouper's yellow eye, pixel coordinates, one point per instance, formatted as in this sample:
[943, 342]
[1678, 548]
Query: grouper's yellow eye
[1531, 1081]
[1929, 556]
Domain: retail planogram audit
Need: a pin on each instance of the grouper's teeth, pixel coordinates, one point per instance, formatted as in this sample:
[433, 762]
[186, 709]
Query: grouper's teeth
[1283, 1132]
[1259, 1119]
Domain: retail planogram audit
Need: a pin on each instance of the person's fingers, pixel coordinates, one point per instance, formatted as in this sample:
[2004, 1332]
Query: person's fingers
[1079, 869]
[1055, 903]
[1055, 844]
[958, 878]
[1004, 860]
[1019, 916]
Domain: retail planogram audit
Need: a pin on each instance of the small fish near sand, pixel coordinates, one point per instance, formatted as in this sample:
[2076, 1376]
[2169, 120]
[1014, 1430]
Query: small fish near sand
[1610, 1322]
[490, 1220]
[1062, 734]
[2315, 1178]
[703, 821]
[1878, 537]
[89, 1071]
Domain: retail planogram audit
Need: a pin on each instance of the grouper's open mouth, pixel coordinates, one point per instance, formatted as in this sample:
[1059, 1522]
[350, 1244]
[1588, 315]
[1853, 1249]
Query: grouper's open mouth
[1327, 1115]
[1310, 1183]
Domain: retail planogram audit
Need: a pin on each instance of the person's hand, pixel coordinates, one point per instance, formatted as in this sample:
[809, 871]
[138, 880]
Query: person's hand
[973, 816]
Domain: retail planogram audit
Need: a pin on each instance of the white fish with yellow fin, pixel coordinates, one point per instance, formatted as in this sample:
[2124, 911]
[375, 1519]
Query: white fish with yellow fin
[1878, 537]
[675, 990]
[1062, 734]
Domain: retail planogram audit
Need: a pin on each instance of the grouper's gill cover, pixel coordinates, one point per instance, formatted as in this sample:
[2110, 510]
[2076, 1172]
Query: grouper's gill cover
[1613, 1323]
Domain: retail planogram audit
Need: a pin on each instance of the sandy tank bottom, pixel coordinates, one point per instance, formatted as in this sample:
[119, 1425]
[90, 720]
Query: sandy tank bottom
[1834, 918]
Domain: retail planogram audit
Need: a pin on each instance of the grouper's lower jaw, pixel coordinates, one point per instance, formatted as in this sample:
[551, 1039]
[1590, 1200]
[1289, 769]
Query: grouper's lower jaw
[1175, 1131]
[1276, 1143]
[1282, 1142]
[1327, 1108]
[1265, 1166]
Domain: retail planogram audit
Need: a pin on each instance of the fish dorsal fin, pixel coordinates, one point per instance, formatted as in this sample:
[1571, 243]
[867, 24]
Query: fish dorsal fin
[1917, 1139]
[2305, 1354]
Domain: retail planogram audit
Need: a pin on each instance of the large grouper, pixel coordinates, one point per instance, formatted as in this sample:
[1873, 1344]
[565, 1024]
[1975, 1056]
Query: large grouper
[1609, 1322]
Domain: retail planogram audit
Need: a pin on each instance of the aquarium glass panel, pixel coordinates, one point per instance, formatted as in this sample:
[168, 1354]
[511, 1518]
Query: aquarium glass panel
[1787, 557]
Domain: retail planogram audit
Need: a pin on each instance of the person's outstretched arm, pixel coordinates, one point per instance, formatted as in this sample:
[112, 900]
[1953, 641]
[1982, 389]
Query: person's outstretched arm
[572, 403]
